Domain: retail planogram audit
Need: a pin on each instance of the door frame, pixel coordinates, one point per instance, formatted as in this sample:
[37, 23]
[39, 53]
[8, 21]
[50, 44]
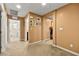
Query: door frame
[18, 22]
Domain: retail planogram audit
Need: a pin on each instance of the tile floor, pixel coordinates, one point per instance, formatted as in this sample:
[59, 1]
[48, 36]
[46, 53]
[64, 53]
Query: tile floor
[38, 49]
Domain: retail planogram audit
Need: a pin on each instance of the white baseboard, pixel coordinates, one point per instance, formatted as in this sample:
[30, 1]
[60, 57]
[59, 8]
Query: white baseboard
[35, 42]
[66, 49]
[45, 40]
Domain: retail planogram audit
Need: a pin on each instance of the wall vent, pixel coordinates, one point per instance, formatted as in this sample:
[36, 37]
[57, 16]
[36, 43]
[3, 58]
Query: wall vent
[13, 12]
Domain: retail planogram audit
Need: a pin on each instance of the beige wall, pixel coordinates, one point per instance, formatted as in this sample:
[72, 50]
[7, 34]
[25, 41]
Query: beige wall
[22, 28]
[34, 30]
[68, 19]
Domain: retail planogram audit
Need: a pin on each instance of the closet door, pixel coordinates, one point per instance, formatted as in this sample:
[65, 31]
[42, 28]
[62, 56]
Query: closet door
[0, 31]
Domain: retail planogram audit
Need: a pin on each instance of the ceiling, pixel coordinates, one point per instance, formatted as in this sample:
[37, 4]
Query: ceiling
[37, 8]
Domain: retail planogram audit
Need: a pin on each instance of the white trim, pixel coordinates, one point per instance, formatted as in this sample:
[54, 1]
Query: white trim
[45, 40]
[66, 49]
[35, 42]
[2, 50]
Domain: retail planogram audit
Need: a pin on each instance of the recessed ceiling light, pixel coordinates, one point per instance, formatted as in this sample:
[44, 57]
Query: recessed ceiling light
[43, 4]
[18, 6]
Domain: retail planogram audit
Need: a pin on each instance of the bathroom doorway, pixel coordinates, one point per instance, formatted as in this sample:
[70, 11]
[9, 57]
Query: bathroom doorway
[49, 29]
[51, 32]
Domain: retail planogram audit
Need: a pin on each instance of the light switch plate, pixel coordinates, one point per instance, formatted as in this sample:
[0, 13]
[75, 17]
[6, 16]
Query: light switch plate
[71, 45]
[61, 28]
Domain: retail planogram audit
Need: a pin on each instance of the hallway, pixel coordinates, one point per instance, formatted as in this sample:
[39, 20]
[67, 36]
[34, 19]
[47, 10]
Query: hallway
[20, 48]
[52, 28]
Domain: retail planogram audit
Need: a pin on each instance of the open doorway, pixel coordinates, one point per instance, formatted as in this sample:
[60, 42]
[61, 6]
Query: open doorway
[49, 29]
[14, 30]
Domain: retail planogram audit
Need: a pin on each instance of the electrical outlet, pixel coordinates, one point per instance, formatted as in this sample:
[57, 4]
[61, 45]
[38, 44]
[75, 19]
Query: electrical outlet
[71, 45]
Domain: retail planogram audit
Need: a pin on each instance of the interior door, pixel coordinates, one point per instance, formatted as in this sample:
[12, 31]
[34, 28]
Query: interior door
[0, 31]
[14, 30]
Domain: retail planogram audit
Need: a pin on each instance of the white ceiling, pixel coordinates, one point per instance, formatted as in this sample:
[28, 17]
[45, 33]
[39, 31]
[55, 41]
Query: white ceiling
[34, 7]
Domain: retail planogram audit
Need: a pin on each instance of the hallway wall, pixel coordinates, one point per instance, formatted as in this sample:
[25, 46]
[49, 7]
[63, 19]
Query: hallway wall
[66, 26]
[34, 28]
[68, 20]
[22, 28]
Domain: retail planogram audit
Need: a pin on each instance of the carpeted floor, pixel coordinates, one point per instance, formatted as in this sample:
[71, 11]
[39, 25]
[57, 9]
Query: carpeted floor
[37, 49]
